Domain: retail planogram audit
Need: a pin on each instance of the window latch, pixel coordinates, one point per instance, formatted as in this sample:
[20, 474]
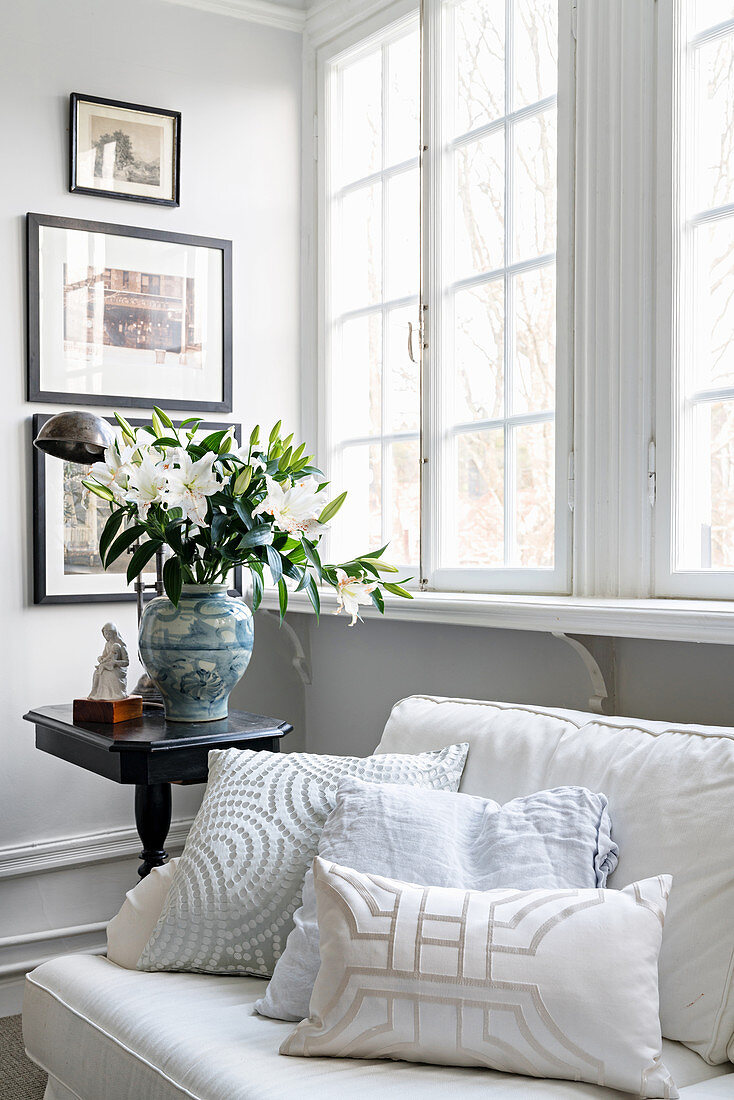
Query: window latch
[410, 342]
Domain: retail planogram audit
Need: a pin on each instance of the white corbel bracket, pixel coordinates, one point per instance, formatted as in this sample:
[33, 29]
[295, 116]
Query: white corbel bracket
[603, 697]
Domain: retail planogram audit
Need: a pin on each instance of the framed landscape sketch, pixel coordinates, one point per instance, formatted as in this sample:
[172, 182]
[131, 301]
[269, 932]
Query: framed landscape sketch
[67, 523]
[124, 316]
[124, 150]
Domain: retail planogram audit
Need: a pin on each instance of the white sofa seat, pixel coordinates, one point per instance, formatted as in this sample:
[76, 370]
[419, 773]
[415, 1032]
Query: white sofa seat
[105, 1033]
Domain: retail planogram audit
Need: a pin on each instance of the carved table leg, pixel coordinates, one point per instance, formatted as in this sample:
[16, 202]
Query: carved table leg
[153, 819]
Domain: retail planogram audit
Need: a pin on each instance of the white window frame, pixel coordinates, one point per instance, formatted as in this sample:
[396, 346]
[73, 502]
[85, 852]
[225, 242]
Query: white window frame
[361, 39]
[676, 462]
[436, 467]
[551, 580]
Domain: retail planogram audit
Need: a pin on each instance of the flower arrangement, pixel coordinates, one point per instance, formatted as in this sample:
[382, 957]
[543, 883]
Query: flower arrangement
[216, 506]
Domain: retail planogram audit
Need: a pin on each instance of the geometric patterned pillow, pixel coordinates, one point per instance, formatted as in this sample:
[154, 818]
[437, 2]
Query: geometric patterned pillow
[230, 907]
[548, 983]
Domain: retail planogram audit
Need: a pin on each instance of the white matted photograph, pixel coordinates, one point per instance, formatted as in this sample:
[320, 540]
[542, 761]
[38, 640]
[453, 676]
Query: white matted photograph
[125, 315]
[124, 150]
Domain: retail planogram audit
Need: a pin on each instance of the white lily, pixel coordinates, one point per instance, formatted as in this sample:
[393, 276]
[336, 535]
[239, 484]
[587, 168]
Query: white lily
[115, 470]
[295, 508]
[189, 484]
[350, 593]
[146, 484]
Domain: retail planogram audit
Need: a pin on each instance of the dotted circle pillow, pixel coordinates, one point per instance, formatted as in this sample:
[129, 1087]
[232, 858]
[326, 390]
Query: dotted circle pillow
[238, 882]
[549, 983]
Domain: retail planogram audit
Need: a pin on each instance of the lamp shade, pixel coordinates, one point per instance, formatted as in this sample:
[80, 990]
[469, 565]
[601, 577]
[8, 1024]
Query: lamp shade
[75, 436]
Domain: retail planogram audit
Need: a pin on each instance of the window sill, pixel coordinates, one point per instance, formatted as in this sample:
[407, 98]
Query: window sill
[662, 619]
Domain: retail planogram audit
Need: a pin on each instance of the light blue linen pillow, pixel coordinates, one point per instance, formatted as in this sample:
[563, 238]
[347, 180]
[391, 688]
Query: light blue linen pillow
[550, 840]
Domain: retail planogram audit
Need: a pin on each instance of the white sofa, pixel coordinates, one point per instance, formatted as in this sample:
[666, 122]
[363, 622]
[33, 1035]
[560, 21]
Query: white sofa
[102, 1032]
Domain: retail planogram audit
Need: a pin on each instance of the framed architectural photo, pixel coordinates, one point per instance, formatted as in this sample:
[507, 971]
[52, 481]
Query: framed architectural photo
[128, 317]
[67, 523]
[124, 150]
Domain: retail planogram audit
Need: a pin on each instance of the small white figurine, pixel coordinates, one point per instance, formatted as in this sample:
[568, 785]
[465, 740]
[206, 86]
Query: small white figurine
[110, 675]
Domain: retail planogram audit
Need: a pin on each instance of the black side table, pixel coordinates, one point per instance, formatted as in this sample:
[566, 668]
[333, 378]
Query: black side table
[151, 754]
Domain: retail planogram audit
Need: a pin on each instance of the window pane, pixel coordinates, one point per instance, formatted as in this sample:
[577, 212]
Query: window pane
[356, 378]
[403, 259]
[536, 50]
[534, 493]
[359, 249]
[403, 375]
[403, 90]
[713, 163]
[480, 499]
[357, 527]
[372, 283]
[534, 302]
[479, 217]
[404, 529]
[713, 318]
[498, 354]
[721, 450]
[534, 167]
[478, 328]
[358, 149]
[478, 61]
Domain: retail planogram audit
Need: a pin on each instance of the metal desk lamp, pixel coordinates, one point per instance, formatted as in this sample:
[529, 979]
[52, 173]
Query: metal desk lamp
[82, 437]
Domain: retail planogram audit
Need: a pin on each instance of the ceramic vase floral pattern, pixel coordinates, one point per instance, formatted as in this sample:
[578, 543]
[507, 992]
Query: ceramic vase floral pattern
[196, 652]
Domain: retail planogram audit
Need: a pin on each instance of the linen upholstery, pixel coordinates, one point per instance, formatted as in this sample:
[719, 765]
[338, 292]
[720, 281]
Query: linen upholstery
[111, 1034]
[671, 792]
[556, 838]
[507, 979]
[238, 882]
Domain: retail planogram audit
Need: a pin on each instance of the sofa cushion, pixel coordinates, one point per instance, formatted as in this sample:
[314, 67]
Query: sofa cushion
[111, 1034]
[671, 796]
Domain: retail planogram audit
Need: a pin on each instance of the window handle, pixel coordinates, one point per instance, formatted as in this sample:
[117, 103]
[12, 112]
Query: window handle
[410, 342]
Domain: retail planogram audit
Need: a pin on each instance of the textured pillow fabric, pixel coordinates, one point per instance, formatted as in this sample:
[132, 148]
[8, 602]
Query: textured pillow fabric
[549, 983]
[671, 790]
[130, 928]
[553, 839]
[238, 882]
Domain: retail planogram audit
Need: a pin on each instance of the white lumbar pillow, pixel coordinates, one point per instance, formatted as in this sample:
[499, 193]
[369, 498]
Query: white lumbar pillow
[548, 983]
[130, 929]
[230, 907]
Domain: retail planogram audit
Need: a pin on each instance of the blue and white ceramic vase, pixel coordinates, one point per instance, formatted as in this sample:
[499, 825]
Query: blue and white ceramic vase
[196, 652]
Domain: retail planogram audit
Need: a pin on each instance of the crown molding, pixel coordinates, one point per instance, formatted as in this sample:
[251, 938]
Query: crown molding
[326, 19]
[281, 16]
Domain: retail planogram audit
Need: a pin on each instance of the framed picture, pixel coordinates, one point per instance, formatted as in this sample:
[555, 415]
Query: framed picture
[67, 523]
[124, 150]
[128, 317]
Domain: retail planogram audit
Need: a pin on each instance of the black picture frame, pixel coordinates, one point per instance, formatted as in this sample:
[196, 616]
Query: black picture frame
[75, 100]
[41, 595]
[34, 222]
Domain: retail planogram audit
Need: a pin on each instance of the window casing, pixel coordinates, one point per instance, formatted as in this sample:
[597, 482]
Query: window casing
[628, 342]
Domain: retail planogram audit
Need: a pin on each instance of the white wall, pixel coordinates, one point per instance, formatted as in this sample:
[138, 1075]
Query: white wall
[238, 87]
[359, 673]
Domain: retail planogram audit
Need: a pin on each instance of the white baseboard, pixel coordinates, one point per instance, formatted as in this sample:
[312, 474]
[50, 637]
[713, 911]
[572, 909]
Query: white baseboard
[83, 863]
[73, 851]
